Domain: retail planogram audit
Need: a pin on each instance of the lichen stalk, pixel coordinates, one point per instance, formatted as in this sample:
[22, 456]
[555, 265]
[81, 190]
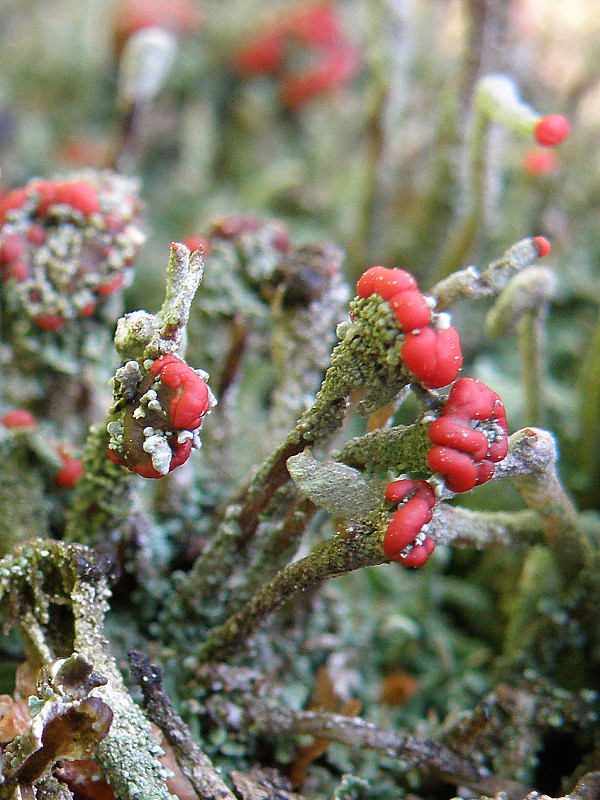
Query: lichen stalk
[355, 547]
[531, 347]
[70, 620]
[471, 284]
[532, 465]
[399, 448]
[103, 495]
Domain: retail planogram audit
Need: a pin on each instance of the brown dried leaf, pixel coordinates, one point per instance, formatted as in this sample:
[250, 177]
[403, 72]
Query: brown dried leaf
[398, 687]
[323, 698]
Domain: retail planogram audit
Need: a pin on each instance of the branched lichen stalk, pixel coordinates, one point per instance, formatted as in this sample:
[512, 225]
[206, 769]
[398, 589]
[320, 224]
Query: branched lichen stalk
[523, 305]
[532, 464]
[588, 384]
[357, 546]
[471, 284]
[194, 764]
[480, 529]
[358, 733]
[463, 235]
[276, 550]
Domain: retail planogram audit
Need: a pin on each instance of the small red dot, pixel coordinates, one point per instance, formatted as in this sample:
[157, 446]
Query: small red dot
[543, 245]
[19, 418]
[550, 131]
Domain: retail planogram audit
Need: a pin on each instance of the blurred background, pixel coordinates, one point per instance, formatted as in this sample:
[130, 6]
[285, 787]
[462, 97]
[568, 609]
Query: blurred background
[347, 120]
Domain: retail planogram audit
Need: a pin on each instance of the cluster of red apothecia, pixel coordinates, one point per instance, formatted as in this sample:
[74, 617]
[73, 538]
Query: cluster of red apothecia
[296, 276]
[316, 29]
[70, 471]
[66, 246]
[431, 348]
[470, 434]
[163, 417]
[405, 538]
[468, 438]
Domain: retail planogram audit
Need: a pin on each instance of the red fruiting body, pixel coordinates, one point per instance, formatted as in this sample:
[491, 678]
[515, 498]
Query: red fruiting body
[230, 227]
[87, 310]
[100, 242]
[194, 243]
[69, 473]
[111, 286]
[179, 16]
[190, 402]
[410, 309]
[143, 468]
[434, 357]
[263, 55]
[183, 400]
[539, 162]
[49, 322]
[181, 453]
[458, 468]
[485, 471]
[407, 522]
[79, 195]
[19, 270]
[452, 432]
[147, 470]
[550, 131]
[45, 192]
[336, 68]
[13, 201]
[36, 235]
[543, 245]
[12, 248]
[397, 491]
[463, 454]
[385, 282]
[19, 418]
[469, 399]
[419, 553]
[315, 25]
[114, 457]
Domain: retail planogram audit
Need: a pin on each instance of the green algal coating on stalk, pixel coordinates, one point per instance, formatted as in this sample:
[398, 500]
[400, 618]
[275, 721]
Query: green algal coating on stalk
[103, 495]
[355, 547]
[401, 449]
[23, 508]
[367, 358]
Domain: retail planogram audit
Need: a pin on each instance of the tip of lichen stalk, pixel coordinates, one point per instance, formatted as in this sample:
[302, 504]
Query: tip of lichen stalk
[543, 245]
